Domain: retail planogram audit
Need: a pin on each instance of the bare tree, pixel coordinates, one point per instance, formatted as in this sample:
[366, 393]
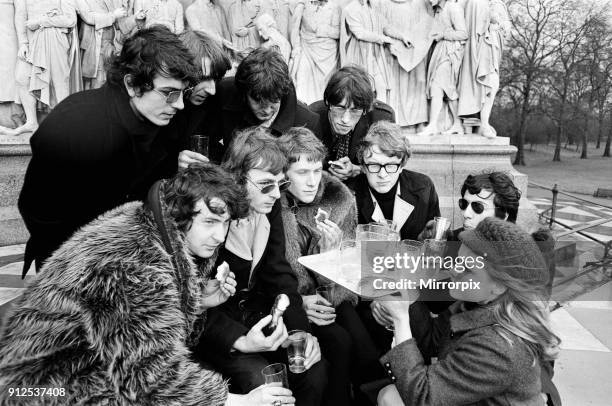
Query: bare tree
[569, 55]
[531, 46]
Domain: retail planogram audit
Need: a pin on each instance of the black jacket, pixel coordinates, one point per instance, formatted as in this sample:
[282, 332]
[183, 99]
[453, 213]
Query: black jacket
[380, 111]
[232, 113]
[416, 189]
[91, 154]
[271, 276]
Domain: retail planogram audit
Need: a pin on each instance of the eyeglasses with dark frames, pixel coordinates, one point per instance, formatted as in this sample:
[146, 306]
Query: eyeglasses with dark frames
[267, 189]
[389, 168]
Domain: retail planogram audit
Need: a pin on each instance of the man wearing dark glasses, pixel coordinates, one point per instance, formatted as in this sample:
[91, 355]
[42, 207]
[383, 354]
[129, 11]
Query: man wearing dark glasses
[491, 194]
[233, 340]
[101, 148]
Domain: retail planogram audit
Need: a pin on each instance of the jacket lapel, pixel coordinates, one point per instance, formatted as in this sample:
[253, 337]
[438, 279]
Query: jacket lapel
[401, 209]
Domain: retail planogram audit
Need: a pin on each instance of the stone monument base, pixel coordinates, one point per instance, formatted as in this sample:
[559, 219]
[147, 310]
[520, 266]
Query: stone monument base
[448, 160]
[14, 161]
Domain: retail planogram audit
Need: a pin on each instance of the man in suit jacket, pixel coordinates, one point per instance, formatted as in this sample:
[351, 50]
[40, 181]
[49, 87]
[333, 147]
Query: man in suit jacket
[255, 251]
[385, 191]
[347, 111]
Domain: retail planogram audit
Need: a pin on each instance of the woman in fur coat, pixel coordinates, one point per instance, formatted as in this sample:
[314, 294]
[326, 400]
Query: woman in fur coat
[110, 318]
[344, 341]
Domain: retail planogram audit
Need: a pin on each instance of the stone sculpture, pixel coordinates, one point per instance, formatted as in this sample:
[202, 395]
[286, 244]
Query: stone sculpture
[487, 23]
[364, 31]
[8, 58]
[97, 37]
[271, 36]
[164, 12]
[241, 19]
[314, 35]
[414, 19]
[450, 34]
[279, 10]
[207, 16]
[48, 67]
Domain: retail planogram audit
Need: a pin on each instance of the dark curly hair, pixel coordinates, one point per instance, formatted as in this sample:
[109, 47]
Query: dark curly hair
[148, 52]
[352, 83]
[207, 182]
[263, 75]
[507, 195]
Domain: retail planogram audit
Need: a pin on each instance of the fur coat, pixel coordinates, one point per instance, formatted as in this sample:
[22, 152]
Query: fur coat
[109, 318]
[298, 219]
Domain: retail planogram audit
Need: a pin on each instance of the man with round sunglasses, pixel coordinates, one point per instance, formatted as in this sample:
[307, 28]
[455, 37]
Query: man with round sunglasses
[345, 114]
[491, 194]
[101, 148]
[234, 339]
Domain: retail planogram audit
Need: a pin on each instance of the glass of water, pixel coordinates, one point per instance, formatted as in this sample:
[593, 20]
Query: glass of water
[296, 351]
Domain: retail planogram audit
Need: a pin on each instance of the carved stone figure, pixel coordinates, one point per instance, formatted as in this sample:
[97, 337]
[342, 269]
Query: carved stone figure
[164, 12]
[8, 58]
[241, 19]
[97, 37]
[207, 16]
[48, 67]
[279, 10]
[364, 31]
[314, 34]
[450, 34]
[488, 23]
[414, 19]
[266, 26]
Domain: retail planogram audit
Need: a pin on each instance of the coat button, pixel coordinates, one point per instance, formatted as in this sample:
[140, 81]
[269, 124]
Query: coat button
[393, 378]
[387, 364]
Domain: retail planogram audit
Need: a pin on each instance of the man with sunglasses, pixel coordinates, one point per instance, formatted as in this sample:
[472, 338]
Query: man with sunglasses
[101, 148]
[489, 194]
[346, 112]
[261, 94]
[233, 340]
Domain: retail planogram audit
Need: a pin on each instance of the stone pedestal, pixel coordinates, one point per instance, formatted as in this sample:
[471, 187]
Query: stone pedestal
[448, 160]
[14, 159]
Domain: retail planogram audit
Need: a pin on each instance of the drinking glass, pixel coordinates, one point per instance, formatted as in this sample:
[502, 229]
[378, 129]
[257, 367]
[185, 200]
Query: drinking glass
[296, 351]
[275, 374]
[326, 292]
[200, 144]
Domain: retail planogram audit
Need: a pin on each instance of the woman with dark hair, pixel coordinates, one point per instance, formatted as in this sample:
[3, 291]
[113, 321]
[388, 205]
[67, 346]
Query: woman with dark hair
[500, 338]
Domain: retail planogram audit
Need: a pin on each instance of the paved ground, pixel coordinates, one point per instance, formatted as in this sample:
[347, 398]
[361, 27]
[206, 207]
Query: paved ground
[584, 369]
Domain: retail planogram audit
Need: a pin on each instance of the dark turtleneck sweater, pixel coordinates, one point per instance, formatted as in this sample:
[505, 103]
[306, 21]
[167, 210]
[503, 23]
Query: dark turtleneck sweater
[386, 201]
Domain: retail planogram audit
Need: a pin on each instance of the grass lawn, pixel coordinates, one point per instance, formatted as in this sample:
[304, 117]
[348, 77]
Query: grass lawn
[572, 174]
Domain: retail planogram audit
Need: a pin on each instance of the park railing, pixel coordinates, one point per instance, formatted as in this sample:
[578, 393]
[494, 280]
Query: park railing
[604, 264]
